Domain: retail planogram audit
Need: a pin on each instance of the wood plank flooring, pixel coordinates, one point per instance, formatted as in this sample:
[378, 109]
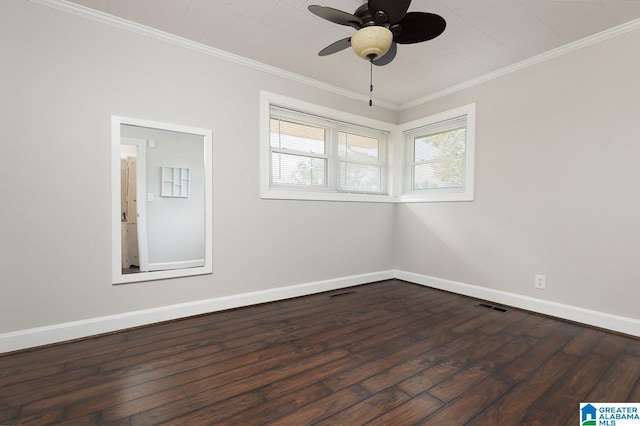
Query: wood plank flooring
[386, 353]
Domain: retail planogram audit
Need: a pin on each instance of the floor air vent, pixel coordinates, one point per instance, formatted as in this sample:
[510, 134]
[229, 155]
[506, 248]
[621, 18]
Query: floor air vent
[495, 308]
[336, 295]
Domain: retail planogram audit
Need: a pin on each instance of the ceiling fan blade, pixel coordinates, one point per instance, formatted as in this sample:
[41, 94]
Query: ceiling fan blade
[420, 26]
[336, 16]
[394, 9]
[336, 47]
[388, 57]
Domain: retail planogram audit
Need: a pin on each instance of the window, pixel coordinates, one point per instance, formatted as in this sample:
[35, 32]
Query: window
[315, 153]
[298, 153]
[321, 154]
[310, 152]
[360, 163]
[440, 154]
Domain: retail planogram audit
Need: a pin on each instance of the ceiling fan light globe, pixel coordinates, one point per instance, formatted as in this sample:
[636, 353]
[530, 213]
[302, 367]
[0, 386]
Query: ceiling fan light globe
[371, 42]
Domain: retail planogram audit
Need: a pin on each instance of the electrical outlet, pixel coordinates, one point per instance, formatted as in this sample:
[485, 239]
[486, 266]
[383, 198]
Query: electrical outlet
[540, 282]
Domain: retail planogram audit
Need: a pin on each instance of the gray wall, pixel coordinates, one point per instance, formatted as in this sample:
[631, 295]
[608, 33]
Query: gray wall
[62, 78]
[557, 173]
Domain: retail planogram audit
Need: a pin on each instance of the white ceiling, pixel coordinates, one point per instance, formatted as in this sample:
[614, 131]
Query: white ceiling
[481, 36]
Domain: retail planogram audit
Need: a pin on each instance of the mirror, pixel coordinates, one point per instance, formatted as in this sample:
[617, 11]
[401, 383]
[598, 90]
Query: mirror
[161, 200]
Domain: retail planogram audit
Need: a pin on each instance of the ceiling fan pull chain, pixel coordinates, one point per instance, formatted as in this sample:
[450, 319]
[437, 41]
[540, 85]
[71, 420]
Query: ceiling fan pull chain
[371, 83]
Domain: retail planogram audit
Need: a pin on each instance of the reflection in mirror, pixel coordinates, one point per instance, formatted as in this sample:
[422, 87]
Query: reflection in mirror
[161, 200]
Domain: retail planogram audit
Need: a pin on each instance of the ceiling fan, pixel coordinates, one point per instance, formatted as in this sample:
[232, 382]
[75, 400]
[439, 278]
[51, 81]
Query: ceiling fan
[381, 25]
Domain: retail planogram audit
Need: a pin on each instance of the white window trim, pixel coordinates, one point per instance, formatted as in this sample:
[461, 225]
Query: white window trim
[266, 191]
[398, 169]
[442, 195]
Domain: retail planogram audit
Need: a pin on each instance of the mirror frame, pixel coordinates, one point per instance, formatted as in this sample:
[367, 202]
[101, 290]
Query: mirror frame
[116, 227]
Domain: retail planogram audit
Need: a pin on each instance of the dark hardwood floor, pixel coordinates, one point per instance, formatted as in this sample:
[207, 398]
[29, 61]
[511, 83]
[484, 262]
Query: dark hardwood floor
[387, 353]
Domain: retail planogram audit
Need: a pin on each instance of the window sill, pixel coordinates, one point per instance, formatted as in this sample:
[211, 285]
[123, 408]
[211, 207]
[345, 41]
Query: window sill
[282, 194]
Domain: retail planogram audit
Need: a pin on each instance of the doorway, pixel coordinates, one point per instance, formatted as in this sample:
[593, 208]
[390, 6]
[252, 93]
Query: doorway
[132, 205]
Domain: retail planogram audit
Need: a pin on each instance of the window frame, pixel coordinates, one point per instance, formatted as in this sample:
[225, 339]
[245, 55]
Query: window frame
[411, 129]
[364, 126]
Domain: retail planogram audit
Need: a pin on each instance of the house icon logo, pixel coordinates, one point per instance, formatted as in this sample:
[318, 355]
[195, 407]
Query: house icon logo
[588, 415]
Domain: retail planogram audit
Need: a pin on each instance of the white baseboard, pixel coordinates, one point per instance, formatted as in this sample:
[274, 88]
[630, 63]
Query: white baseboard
[607, 321]
[56, 333]
[164, 266]
[33, 337]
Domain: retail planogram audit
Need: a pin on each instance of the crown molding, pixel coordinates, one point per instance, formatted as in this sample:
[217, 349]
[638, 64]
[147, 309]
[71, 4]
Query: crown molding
[105, 18]
[554, 53]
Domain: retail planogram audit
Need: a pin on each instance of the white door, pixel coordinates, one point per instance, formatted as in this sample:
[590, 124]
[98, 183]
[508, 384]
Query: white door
[141, 198]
